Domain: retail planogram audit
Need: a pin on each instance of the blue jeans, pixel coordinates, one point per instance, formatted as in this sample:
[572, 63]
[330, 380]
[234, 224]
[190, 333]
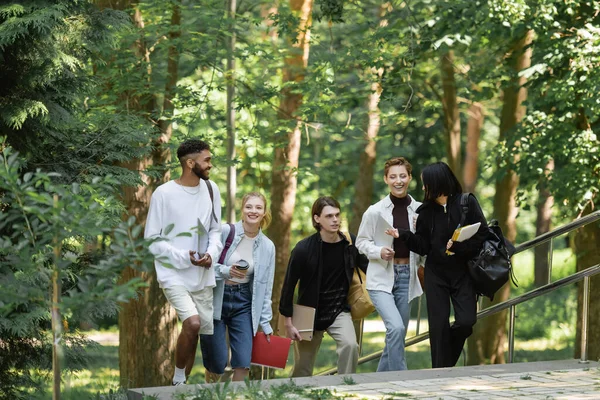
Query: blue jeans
[237, 317]
[394, 310]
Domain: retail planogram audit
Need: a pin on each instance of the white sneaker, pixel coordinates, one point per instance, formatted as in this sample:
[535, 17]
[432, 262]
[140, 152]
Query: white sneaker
[178, 383]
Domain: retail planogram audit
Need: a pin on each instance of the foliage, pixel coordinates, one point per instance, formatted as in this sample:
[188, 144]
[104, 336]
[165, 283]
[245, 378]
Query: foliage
[49, 228]
[563, 80]
[254, 390]
[45, 109]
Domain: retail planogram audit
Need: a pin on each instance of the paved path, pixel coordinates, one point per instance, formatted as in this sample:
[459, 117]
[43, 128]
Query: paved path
[538, 380]
[582, 383]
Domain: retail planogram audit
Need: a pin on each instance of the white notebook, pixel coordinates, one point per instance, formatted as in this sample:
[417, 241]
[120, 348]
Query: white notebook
[466, 232]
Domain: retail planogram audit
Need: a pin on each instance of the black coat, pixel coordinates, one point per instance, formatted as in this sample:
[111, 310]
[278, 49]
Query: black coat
[435, 227]
[305, 267]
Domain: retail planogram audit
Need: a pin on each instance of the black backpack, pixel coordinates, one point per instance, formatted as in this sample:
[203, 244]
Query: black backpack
[492, 268]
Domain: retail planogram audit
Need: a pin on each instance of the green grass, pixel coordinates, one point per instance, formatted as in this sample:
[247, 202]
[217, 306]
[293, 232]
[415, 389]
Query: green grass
[563, 264]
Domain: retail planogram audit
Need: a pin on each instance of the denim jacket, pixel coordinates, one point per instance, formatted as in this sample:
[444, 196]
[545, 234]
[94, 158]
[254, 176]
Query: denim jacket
[262, 279]
[380, 274]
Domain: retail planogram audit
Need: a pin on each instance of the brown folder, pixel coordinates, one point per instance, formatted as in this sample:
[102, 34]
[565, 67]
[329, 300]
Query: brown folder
[303, 319]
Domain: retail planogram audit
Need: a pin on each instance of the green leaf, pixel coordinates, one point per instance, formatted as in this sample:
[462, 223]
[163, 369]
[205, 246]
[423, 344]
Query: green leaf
[168, 229]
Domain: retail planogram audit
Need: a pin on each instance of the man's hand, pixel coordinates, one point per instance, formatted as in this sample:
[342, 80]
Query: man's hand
[387, 253]
[290, 330]
[204, 261]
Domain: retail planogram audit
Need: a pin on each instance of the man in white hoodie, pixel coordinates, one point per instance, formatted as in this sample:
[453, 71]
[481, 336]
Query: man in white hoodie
[392, 280]
[184, 226]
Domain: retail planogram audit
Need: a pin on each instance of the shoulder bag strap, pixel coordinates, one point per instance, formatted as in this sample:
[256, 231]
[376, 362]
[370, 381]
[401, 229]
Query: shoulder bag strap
[212, 200]
[349, 238]
[228, 242]
[464, 204]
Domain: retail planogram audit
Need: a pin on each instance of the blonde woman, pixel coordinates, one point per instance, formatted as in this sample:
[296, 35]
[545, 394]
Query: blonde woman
[242, 297]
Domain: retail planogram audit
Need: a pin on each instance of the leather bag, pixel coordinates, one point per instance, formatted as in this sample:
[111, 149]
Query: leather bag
[492, 267]
[358, 297]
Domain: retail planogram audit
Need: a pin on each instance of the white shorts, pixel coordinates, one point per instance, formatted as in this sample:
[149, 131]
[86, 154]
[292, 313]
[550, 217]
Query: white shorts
[187, 304]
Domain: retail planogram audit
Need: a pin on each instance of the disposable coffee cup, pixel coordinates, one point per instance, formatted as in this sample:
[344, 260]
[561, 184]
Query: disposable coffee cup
[242, 265]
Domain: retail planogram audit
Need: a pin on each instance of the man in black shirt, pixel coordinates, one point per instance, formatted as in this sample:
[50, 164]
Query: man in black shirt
[322, 264]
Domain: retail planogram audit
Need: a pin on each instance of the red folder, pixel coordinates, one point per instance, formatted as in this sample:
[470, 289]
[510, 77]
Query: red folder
[274, 354]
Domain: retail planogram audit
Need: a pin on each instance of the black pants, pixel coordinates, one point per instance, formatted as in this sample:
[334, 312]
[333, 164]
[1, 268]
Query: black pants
[445, 283]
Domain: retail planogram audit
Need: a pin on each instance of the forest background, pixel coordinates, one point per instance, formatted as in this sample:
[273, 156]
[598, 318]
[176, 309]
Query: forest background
[298, 98]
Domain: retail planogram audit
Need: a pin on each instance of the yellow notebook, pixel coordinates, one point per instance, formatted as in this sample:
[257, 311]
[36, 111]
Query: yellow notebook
[463, 233]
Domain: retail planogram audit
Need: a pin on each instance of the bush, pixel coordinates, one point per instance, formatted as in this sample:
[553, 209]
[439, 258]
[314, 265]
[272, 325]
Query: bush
[57, 242]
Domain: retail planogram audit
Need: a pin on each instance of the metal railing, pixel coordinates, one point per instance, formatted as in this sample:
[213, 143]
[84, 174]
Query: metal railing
[512, 303]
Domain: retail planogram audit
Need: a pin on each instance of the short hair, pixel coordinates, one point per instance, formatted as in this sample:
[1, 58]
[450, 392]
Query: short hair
[191, 146]
[319, 205]
[439, 180]
[266, 221]
[397, 161]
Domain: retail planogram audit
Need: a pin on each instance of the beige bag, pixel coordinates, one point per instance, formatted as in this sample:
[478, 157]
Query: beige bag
[358, 297]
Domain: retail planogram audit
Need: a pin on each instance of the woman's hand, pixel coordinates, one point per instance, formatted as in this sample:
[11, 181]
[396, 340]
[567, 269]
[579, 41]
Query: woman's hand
[387, 253]
[449, 244]
[236, 273]
[268, 336]
[392, 232]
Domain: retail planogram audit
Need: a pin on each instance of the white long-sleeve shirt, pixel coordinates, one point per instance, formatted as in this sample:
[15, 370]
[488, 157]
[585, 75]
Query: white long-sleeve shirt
[380, 273]
[184, 207]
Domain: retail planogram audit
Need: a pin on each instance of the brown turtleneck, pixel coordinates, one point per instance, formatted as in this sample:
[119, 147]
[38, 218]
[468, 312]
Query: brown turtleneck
[400, 213]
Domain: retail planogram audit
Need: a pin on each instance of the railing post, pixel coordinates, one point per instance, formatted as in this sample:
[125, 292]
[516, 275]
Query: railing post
[584, 320]
[419, 315]
[511, 334]
[550, 256]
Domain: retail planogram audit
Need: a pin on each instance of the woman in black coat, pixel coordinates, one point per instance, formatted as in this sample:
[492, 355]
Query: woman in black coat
[446, 276]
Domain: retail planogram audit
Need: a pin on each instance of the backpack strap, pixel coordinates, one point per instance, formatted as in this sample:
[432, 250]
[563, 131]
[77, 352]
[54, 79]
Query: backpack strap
[464, 204]
[212, 200]
[228, 242]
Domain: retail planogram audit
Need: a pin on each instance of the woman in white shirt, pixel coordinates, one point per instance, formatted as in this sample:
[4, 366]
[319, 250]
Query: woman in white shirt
[392, 272]
[242, 298]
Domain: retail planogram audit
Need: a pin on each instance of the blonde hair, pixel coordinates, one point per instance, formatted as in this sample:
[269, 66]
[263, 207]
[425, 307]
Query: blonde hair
[266, 221]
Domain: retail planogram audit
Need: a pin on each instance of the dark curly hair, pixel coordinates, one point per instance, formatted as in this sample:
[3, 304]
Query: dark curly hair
[191, 146]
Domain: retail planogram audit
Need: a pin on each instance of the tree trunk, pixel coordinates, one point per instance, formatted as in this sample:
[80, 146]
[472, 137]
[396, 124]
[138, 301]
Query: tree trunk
[587, 242]
[363, 192]
[586, 245]
[147, 325]
[287, 150]
[451, 115]
[471, 165]
[542, 225]
[231, 169]
[489, 336]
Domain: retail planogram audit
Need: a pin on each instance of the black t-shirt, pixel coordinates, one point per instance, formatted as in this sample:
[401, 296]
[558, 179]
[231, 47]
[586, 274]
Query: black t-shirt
[333, 293]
